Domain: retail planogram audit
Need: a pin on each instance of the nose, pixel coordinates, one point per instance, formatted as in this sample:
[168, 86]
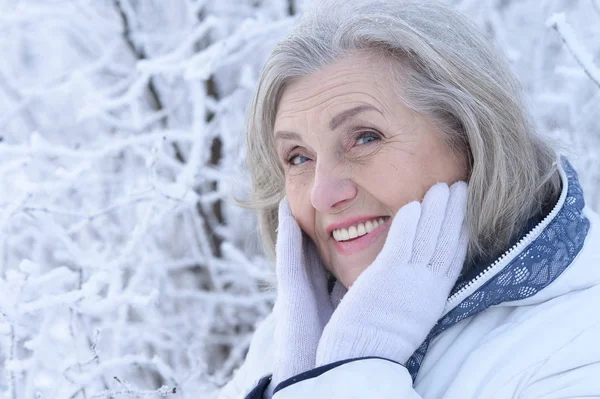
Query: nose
[331, 189]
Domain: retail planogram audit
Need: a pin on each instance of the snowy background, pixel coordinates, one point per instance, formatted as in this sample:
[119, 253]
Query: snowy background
[126, 270]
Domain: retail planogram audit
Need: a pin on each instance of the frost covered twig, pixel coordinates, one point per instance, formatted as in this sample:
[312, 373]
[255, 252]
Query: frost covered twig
[38, 145]
[162, 391]
[559, 23]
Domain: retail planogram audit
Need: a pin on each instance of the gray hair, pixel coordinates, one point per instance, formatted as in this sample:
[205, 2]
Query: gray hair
[455, 77]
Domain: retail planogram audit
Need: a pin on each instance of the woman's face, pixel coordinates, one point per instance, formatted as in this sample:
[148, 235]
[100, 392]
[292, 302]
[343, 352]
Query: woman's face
[353, 155]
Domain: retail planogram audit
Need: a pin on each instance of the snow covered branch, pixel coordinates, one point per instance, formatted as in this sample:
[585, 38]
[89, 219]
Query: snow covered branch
[559, 23]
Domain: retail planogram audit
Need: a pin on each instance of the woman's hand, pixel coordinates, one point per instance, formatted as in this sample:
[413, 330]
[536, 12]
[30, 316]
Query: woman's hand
[390, 309]
[303, 305]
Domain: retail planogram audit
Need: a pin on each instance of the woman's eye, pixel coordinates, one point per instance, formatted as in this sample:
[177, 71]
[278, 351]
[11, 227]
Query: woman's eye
[366, 138]
[297, 159]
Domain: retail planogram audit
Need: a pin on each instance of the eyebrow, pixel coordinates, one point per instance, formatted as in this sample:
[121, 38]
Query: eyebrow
[343, 116]
[333, 124]
[285, 135]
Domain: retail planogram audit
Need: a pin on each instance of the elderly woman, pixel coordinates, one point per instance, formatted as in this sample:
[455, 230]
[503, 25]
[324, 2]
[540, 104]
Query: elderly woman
[428, 243]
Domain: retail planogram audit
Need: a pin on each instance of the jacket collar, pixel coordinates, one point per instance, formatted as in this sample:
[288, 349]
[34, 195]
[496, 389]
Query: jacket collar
[540, 257]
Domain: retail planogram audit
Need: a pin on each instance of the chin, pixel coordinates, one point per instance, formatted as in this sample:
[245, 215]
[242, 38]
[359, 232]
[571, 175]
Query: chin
[347, 269]
[349, 275]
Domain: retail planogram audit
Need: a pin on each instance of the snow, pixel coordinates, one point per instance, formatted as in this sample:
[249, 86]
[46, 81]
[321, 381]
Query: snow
[126, 268]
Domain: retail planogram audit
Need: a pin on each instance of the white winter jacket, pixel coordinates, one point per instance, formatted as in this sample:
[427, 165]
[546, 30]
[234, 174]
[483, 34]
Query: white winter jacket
[528, 326]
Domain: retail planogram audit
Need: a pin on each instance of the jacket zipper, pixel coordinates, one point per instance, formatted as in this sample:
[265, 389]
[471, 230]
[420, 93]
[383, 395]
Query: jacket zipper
[509, 255]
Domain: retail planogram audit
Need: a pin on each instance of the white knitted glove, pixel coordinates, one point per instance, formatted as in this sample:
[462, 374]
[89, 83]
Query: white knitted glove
[390, 309]
[303, 305]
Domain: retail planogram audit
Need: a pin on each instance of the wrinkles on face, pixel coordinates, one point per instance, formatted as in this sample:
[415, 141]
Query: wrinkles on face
[372, 160]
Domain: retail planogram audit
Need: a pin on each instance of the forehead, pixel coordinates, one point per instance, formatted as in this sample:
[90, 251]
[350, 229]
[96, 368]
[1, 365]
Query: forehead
[358, 79]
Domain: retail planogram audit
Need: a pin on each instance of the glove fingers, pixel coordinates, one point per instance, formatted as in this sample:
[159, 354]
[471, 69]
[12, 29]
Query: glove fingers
[433, 210]
[318, 277]
[317, 272]
[302, 307]
[288, 250]
[459, 257]
[400, 239]
[448, 241]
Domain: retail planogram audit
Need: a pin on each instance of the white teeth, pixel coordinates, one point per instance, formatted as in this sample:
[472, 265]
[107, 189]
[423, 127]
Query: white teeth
[361, 229]
[353, 232]
[345, 235]
[358, 230]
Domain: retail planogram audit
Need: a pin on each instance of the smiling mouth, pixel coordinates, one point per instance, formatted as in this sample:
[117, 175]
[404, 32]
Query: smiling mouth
[358, 230]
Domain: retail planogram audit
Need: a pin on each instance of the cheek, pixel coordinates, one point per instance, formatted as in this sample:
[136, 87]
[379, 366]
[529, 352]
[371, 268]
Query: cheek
[397, 177]
[442, 166]
[394, 179]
